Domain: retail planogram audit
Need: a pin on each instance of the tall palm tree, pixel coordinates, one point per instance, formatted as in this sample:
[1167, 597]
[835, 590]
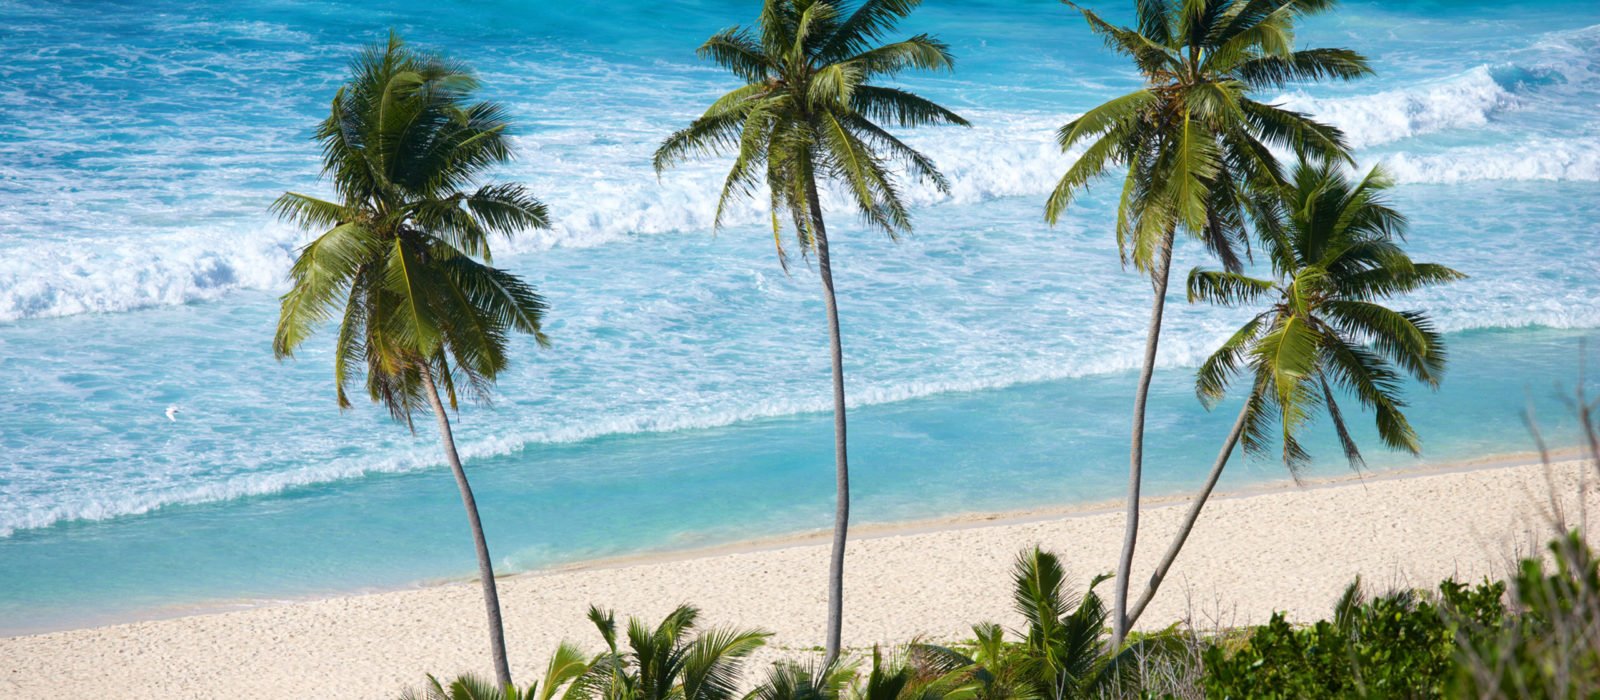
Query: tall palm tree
[1195, 146]
[396, 254]
[808, 111]
[1335, 259]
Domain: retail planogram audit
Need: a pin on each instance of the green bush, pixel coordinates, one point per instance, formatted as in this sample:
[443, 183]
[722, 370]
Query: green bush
[1537, 635]
[1396, 646]
[1548, 642]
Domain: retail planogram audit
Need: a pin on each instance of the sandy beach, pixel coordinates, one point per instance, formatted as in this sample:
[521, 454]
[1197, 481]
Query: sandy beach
[1280, 547]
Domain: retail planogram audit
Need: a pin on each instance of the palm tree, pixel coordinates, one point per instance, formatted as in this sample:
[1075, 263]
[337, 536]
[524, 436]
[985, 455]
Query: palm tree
[567, 665]
[665, 663]
[1061, 654]
[1196, 149]
[790, 680]
[911, 675]
[807, 111]
[396, 254]
[1335, 258]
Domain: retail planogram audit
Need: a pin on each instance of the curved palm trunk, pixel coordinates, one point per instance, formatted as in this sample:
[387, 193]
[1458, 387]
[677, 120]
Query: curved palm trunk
[491, 597]
[1193, 515]
[841, 509]
[1158, 279]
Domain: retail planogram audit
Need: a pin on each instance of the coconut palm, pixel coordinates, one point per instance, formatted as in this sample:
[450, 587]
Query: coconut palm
[1194, 146]
[1335, 260]
[666, 663]
[395, 257]
[808, 111]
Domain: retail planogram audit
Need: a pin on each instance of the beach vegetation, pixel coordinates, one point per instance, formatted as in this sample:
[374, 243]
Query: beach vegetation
[670, 661]
[1534, 635]
[812, 111]
[566, 665]
[1060, 654]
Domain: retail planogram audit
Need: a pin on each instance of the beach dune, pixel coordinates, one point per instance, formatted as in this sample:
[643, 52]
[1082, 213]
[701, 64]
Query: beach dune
[1274, 548]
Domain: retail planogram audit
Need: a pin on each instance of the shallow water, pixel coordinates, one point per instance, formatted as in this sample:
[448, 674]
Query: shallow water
[989, 357]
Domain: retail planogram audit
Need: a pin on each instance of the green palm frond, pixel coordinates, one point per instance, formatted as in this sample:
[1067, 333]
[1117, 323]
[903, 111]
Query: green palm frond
[1226, 288]
[870, 22]
[1309, 65]
[739, 52]
[1211, 380]
[566, 666]
[321, 274]
[920, 52]
[311, 213]
[901, 108]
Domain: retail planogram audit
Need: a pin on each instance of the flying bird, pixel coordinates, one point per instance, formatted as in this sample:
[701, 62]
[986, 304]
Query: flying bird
[172, 413]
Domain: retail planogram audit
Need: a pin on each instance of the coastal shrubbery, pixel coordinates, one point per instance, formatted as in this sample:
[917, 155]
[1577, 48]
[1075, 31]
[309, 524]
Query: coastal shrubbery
[1535, 634]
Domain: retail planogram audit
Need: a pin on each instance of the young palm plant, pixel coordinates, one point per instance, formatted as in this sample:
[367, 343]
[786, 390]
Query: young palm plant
[914, 674]
[1061, 655]
[566, 666]
[1195, 147]
[808, 112]
[790, 680]
[1335, 259]
[666, 663]
[396, 254]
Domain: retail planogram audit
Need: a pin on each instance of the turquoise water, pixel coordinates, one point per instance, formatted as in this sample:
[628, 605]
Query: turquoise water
[989, 357]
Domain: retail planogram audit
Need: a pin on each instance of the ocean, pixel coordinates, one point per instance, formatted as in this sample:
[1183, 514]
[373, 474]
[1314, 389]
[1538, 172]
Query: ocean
[990, 358]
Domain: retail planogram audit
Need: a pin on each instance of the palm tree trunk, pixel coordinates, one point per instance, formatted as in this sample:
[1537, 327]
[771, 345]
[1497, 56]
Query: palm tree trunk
[491, 597]
[841, 508]
[1194, 514]
[1158, 279]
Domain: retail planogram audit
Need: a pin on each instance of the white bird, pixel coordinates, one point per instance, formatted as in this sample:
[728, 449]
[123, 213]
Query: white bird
[172, 413]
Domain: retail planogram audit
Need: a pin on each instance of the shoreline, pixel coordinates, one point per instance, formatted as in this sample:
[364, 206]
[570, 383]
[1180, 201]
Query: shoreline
[865, 531]
[1280, 549]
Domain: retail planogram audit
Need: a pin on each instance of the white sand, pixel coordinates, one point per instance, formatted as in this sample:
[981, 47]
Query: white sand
[1280, 548]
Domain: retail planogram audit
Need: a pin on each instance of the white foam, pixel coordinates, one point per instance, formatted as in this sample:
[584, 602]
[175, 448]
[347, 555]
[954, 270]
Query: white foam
[1462, 101]
[119, 274]
[599, 185]
[1536, 159]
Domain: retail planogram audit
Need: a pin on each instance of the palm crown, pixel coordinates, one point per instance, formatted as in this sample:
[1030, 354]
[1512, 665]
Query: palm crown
[1196, 146]
[1333, 261]
[808, 109]
[401, 144]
